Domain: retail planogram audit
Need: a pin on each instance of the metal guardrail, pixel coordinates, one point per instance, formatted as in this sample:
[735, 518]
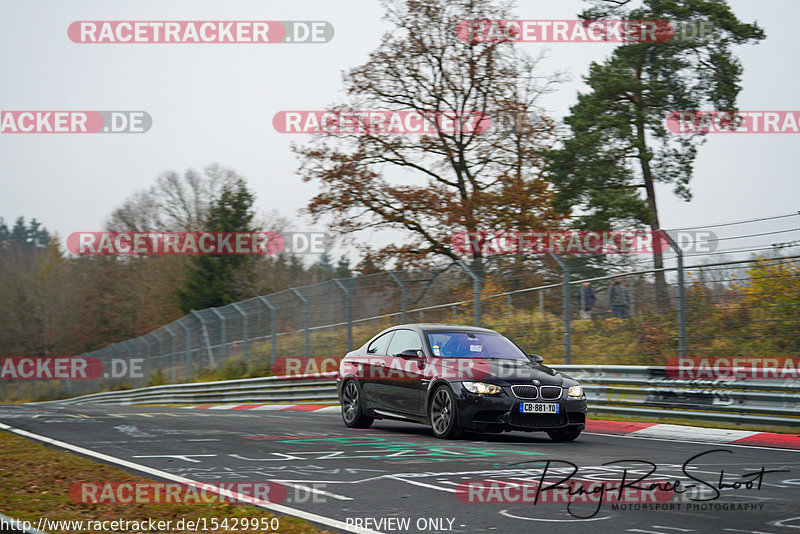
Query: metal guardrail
[307, 388]
[610, 389]
[651, 392]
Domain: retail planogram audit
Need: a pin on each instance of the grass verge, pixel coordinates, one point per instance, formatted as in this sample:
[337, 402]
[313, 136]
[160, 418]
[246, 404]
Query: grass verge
[35, 481]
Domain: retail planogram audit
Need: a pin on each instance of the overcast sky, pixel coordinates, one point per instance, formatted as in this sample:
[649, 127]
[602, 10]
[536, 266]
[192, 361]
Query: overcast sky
[215, 103]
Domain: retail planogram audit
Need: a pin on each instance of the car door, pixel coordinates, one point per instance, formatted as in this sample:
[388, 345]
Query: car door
[372, 369]
[403, 378]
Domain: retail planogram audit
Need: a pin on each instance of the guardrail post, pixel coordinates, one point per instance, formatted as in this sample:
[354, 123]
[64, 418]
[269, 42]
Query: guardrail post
[272, 325]
[245, 333]
[349, 297]
[681, 297]
[306, 320]
[403, 296]
[565, 303]
[476, 292]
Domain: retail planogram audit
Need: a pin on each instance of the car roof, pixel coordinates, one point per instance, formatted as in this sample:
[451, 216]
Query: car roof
[441, 327]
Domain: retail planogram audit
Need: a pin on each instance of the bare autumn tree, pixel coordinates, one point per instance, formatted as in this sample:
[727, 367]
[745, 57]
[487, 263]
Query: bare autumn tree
[432, 186]
[174, 203]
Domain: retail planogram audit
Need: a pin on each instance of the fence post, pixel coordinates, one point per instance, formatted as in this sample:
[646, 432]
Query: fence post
[161, 352]
[210, 353]
[541, 302]
[681, 297]
[187, 341]
[565, 304]
[129, 355]
[222, 337]
[141, 355]
[245, 333]
[173, 353]
[150, 355]
[349, 297]
[403, 296]
[476, 292]
[273, 325]
[306, 319]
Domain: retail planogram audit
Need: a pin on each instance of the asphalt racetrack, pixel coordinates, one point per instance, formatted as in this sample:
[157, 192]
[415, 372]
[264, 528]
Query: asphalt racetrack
[397, 477]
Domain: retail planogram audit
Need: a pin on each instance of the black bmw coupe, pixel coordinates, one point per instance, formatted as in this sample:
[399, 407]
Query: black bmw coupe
[457, 378]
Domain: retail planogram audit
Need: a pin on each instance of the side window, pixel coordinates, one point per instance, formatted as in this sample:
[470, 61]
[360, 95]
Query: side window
[404, 340]
[379, 345]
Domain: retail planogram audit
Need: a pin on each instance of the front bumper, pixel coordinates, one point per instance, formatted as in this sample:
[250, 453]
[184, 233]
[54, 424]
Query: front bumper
[485, 413]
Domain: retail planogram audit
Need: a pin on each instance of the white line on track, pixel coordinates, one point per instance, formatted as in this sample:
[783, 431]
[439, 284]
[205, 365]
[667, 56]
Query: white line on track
[308, 516]
[507, 514]
[631, 436]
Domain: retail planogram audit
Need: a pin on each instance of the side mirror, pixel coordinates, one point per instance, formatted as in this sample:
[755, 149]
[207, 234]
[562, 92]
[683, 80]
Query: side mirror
[411, 354]
[536, 358]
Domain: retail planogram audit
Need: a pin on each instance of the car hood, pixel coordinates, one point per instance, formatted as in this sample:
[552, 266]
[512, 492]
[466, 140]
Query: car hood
[506, 372]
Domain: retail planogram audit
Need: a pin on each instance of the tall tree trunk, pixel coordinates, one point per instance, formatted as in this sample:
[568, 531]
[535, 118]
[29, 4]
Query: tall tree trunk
[662, 294]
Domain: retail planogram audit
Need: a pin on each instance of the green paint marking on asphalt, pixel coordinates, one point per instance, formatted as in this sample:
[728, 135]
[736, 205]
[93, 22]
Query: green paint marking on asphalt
[382, 444]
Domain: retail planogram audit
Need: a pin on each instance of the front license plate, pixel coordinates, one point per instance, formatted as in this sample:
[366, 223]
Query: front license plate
[538, 407]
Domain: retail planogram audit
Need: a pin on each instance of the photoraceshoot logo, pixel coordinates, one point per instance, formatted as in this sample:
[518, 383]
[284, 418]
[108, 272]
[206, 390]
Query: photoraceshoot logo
[200, 31]
[62, 122]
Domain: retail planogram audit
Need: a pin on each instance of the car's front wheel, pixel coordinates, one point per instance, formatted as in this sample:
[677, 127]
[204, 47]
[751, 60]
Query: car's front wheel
[442, 414]
[568, 434]
[351, 407]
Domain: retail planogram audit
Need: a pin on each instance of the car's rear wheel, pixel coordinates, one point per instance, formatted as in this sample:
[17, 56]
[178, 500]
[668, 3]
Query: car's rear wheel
[442, 414]
[568, 434]
[351, 407]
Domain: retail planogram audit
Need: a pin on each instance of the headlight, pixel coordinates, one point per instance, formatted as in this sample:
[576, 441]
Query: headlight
[575, 391]
[481, 388]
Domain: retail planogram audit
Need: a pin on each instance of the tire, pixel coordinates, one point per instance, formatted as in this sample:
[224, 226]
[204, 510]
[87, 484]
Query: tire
[567, 434]
[352, 414]
[443, 414]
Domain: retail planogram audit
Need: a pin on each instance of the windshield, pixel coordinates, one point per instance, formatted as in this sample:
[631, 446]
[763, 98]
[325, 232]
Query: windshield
[473, 345]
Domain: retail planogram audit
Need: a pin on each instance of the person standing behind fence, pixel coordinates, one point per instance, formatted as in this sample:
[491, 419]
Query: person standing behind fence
[620, 298]
[585, 299]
